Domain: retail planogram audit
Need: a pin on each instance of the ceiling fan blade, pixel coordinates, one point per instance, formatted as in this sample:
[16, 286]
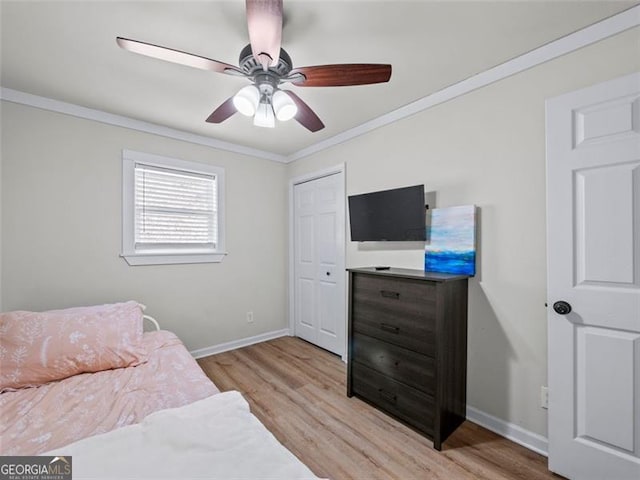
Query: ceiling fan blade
[305, 116]
[264, 21]
[176, 56]
[223, 112]
[342, 75]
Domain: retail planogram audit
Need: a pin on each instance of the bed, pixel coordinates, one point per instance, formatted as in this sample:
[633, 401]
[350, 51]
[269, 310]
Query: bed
[157, 413]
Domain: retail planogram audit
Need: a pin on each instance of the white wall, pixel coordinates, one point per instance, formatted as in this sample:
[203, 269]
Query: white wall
[61, 230]
[486, 148]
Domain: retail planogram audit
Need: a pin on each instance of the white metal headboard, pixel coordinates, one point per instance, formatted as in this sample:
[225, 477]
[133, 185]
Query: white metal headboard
[152, 320]
[149, 317]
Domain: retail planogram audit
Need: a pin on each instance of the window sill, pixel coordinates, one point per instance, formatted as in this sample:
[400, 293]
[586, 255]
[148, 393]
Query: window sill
[135, 259]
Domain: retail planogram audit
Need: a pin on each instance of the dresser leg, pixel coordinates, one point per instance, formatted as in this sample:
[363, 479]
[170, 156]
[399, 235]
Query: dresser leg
[437, 444]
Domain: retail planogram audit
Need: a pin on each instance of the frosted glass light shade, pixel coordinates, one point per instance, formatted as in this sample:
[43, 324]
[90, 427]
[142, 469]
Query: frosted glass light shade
[264, 116]
[246, 100]
[284, 108]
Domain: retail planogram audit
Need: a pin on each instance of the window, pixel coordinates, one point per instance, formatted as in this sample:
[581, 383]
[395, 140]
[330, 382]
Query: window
[172, 210]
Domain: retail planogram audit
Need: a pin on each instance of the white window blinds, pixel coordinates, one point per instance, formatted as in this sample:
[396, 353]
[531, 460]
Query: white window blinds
[175, 209]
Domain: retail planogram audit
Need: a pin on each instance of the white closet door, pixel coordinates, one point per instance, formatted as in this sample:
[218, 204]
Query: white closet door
[319, 286]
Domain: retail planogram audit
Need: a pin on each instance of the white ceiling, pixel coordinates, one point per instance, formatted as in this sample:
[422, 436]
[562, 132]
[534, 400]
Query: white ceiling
[67, 51]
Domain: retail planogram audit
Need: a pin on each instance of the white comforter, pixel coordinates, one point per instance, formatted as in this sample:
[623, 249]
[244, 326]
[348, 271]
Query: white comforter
[213, 438]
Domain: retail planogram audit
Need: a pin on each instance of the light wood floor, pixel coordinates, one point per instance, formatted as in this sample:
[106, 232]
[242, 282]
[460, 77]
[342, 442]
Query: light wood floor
[298, 391]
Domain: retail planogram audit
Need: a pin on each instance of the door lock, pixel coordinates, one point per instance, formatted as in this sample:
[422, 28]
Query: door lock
[561, 307]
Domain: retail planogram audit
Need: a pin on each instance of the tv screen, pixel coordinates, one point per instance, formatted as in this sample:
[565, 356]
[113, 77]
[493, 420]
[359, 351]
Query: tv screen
[388, 215]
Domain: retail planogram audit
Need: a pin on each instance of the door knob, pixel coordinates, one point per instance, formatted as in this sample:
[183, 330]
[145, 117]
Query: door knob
[562, 307]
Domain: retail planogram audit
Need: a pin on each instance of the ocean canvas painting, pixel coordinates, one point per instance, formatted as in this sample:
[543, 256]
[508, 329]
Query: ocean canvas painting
[451, 240]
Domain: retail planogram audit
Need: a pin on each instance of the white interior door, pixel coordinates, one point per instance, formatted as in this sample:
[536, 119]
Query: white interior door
[319, 275]
[593, 208]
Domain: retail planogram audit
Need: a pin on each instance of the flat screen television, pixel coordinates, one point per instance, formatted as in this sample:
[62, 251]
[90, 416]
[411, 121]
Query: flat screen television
[389, 215]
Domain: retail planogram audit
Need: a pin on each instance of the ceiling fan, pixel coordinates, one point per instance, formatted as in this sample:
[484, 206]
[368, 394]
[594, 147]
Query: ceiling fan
[268, 66]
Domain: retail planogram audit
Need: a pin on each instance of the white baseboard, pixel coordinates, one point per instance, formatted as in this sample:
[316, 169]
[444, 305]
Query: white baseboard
[530, 440]
[243, 342]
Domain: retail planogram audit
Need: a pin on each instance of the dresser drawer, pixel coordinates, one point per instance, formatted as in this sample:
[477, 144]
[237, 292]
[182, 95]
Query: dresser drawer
[397, 311]
[406, 403]
[406, 366]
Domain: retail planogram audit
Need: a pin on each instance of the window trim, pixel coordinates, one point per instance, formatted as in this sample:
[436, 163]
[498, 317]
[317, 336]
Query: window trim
[140, 257]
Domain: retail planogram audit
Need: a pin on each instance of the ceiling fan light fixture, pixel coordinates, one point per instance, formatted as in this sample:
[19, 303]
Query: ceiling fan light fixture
[247, 100]
[264, 116]
[283, 106]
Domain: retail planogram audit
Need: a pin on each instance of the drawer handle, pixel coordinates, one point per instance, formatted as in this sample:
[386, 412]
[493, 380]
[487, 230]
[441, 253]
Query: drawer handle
[389, 328]
[390, 294]
[389, 397]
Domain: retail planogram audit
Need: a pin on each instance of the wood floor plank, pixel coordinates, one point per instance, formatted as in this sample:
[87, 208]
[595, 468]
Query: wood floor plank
[298, 391]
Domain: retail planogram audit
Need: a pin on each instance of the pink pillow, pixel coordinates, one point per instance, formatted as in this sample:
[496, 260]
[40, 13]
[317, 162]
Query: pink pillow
[37, 348]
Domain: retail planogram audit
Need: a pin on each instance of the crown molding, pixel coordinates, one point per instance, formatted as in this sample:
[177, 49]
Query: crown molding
[23, 98]
[594, 33]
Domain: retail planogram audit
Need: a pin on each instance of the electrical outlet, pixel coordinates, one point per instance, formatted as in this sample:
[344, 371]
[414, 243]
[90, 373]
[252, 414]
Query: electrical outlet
[544, 397]
[249, 317]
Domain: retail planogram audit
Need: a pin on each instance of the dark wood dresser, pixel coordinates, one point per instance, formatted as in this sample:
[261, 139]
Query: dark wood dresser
[408, 346]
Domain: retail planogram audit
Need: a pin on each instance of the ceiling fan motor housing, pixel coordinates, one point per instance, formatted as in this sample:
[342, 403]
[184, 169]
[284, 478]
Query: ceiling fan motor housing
[250, 66]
